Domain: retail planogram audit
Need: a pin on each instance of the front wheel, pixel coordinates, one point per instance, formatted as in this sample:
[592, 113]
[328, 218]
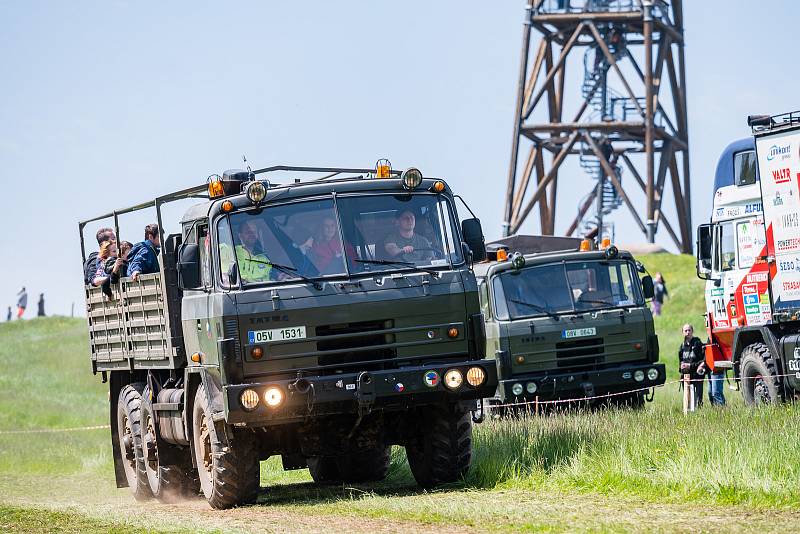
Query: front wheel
[442, 451]
[365, 466]
[760, 383]
[229, 472]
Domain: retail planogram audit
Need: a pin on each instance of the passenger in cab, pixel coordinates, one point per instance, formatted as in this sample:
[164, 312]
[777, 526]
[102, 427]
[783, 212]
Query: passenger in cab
[326, 250]
[90, 265]
[143, 256]
[406, 245]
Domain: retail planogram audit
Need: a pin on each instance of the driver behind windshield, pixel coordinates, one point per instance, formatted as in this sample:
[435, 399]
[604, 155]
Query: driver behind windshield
[253, 262]
[405, 244]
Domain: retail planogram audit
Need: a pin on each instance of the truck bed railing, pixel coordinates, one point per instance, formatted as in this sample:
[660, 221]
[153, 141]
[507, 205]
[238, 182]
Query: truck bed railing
[766, 123]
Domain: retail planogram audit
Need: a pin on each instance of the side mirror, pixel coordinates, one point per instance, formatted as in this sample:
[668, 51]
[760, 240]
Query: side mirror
[704, 248]
[647, 287]
[189, 266]
[473, 237]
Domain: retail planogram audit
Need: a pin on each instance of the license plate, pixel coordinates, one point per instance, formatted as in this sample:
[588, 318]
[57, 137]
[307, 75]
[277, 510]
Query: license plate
[276, 334]
[578, 332]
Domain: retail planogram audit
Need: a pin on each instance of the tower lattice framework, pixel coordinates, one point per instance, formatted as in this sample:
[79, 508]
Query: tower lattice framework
[618, 119]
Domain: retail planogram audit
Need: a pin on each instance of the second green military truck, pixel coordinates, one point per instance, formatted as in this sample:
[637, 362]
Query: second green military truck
[565, 322]
[322, 321]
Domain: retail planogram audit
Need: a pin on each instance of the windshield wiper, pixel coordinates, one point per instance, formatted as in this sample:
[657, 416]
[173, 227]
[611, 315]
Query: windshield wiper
[536, 307]
[290, 271]
[408, 264]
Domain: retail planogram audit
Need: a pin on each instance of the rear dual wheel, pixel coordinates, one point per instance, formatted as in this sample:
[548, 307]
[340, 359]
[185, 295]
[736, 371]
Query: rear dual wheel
[129, 436]
[168, 483]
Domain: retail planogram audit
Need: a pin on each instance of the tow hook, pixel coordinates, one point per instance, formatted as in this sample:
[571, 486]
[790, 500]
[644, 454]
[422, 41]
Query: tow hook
[365, 393]
[478, 414]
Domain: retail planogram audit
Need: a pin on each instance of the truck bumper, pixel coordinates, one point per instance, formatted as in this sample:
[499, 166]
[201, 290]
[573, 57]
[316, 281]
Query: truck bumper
[576, 385]
[356, 393]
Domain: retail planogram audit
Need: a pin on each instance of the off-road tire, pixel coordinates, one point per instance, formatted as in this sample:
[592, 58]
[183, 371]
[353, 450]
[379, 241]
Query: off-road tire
[365, 466]
[168, 483]
[324, 469]
[758, 371]
[229, 472]
[129, 437]
[443, 451]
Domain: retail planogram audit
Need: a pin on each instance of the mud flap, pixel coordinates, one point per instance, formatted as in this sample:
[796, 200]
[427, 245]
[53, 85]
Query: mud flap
[292, 462]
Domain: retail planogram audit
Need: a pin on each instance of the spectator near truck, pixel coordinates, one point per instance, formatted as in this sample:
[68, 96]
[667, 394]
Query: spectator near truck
[212, 368]
[566, 322]
[749, 256]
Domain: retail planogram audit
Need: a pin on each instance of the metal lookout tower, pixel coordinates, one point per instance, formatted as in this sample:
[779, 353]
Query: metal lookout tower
[616, 117]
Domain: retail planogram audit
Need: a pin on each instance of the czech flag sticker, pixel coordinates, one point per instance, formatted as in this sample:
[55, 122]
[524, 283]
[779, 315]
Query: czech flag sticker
[431, 379]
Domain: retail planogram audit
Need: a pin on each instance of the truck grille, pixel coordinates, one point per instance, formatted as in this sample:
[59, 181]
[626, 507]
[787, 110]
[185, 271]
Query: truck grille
[349, 343]
[583, 353]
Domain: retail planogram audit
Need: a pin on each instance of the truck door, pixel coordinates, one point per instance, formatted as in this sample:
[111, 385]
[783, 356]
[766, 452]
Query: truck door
[198, 326]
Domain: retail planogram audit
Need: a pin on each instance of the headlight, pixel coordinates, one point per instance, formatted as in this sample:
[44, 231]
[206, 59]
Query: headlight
[476, 376]
[273, 397]
[638, 375]
[652, 374]
[411, 178]
[453, 379]
[256, 192]
[249, 399]
[516, 389]
[530, 387]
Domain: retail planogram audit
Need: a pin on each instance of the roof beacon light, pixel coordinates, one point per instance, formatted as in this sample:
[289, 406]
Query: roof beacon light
[585, 245]
[605, 243]
[383, 168]
[411, 178]
[256, 192]
[215, 189]
[438, 186]
[502, 254]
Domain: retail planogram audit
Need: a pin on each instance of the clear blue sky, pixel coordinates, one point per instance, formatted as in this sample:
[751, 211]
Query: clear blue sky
[105, 104]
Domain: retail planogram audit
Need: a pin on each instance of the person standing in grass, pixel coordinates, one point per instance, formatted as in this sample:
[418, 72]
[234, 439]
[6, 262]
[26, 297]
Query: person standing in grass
[659, 292]
[40, 311]
[8, 317]
[22, 302]
[692, 362]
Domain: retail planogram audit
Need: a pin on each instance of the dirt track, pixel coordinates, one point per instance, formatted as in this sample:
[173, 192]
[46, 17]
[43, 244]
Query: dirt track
[306, 508]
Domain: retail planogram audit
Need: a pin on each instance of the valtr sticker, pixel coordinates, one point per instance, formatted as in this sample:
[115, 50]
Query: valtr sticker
[579, 332]
[276, 334]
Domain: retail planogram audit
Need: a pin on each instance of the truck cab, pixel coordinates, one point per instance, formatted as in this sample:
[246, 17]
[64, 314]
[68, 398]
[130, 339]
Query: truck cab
[321, 320]
[565, 323]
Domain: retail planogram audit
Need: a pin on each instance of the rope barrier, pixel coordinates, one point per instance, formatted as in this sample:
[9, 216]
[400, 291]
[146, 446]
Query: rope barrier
[54, 430]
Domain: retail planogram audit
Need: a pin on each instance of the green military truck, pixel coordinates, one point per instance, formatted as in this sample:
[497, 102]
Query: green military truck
[566, 323]
[280, 323]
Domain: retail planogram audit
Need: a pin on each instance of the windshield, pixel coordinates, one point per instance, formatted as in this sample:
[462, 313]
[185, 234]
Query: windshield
[307, 239]
[397, 231]
[566, 287]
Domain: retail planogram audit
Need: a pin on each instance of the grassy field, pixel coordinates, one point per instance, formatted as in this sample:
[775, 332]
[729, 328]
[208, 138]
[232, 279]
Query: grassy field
[735, 468]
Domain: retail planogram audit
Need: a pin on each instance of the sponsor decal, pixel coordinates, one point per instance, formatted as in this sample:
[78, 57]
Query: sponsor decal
[756, 277]
[789, 220]
[717, 292]
[778, 151]
[720, 212]
[791, 285]
[431, 379]
[789, 265]
[781, 175]
[750, 299]
[784, 245]
[778, 200]
[755, 207]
